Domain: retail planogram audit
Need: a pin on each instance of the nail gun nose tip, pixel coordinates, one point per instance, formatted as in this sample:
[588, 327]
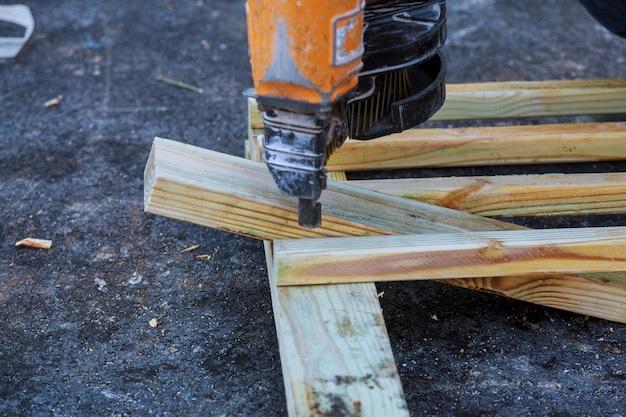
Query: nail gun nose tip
[309, 213]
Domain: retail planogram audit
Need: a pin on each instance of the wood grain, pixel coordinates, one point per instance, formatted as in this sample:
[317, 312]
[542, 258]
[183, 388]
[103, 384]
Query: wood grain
[533, 99]
[239, 196]
[335, 351]
[483, 146]
[361, 376]
[445, 256]
[514, 195]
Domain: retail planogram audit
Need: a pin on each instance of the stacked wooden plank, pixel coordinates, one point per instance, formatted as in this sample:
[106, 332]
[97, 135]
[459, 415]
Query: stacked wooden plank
[334, 348]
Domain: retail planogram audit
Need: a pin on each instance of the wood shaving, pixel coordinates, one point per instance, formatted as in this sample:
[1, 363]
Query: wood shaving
[190, 248]
[180, 84]
[53, 102]
[31, 242]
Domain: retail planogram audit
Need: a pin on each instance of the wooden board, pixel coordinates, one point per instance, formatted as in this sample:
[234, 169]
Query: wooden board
[514, 195]
[445, 256]
[533, 99]
[239, 196]
[483, 146]
[335, 352]
[233, 194]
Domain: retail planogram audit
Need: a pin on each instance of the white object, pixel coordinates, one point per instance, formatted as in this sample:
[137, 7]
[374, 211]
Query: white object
[20, 15]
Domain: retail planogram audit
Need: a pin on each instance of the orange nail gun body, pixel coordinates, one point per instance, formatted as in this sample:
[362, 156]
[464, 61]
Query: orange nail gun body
[326, 69]
[308, 52]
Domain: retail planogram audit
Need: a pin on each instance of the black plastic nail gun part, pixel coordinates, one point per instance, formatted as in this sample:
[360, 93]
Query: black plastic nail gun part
[402, 83]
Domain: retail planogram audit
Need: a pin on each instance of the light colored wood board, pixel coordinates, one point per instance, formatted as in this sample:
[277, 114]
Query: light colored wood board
[514, 195]
[521, 99]
[178, 184]
[233, 194]
[335, 351]
[544, 85]
[482, 146]
[533, 99]
[445, 256]
[558, 291]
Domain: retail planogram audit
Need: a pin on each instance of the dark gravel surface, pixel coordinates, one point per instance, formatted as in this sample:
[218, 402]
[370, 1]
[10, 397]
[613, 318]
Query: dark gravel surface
[74, 320]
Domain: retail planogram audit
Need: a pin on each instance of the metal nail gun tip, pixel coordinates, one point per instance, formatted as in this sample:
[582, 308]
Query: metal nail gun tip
[309, 213]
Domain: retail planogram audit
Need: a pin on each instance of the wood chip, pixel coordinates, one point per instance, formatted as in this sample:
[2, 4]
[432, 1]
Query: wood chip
[31, 242]
[190, 248]
[180, 84]
[53, 102]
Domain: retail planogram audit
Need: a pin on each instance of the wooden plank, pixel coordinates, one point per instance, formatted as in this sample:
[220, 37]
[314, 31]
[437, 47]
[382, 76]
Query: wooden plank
[514, 195]
[575, 294]
[239, 196]
[335, 352]
[215, 190]
[521, 99]
[481, 146]
[533, 99]
[444, 256]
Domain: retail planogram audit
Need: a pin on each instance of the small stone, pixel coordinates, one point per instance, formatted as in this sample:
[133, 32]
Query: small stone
[153, 323]
[102, 284]
[136, 279]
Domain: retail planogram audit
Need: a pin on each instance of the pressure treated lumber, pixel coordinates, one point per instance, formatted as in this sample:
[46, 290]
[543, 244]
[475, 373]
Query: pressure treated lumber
[521, 99]
[484, 146]
[514, 195]
[335, 350]
[233, 194]
[532, 99]
[334, 345]
[445, 256]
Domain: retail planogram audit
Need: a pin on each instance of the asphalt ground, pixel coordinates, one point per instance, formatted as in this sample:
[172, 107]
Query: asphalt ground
[75, 333]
